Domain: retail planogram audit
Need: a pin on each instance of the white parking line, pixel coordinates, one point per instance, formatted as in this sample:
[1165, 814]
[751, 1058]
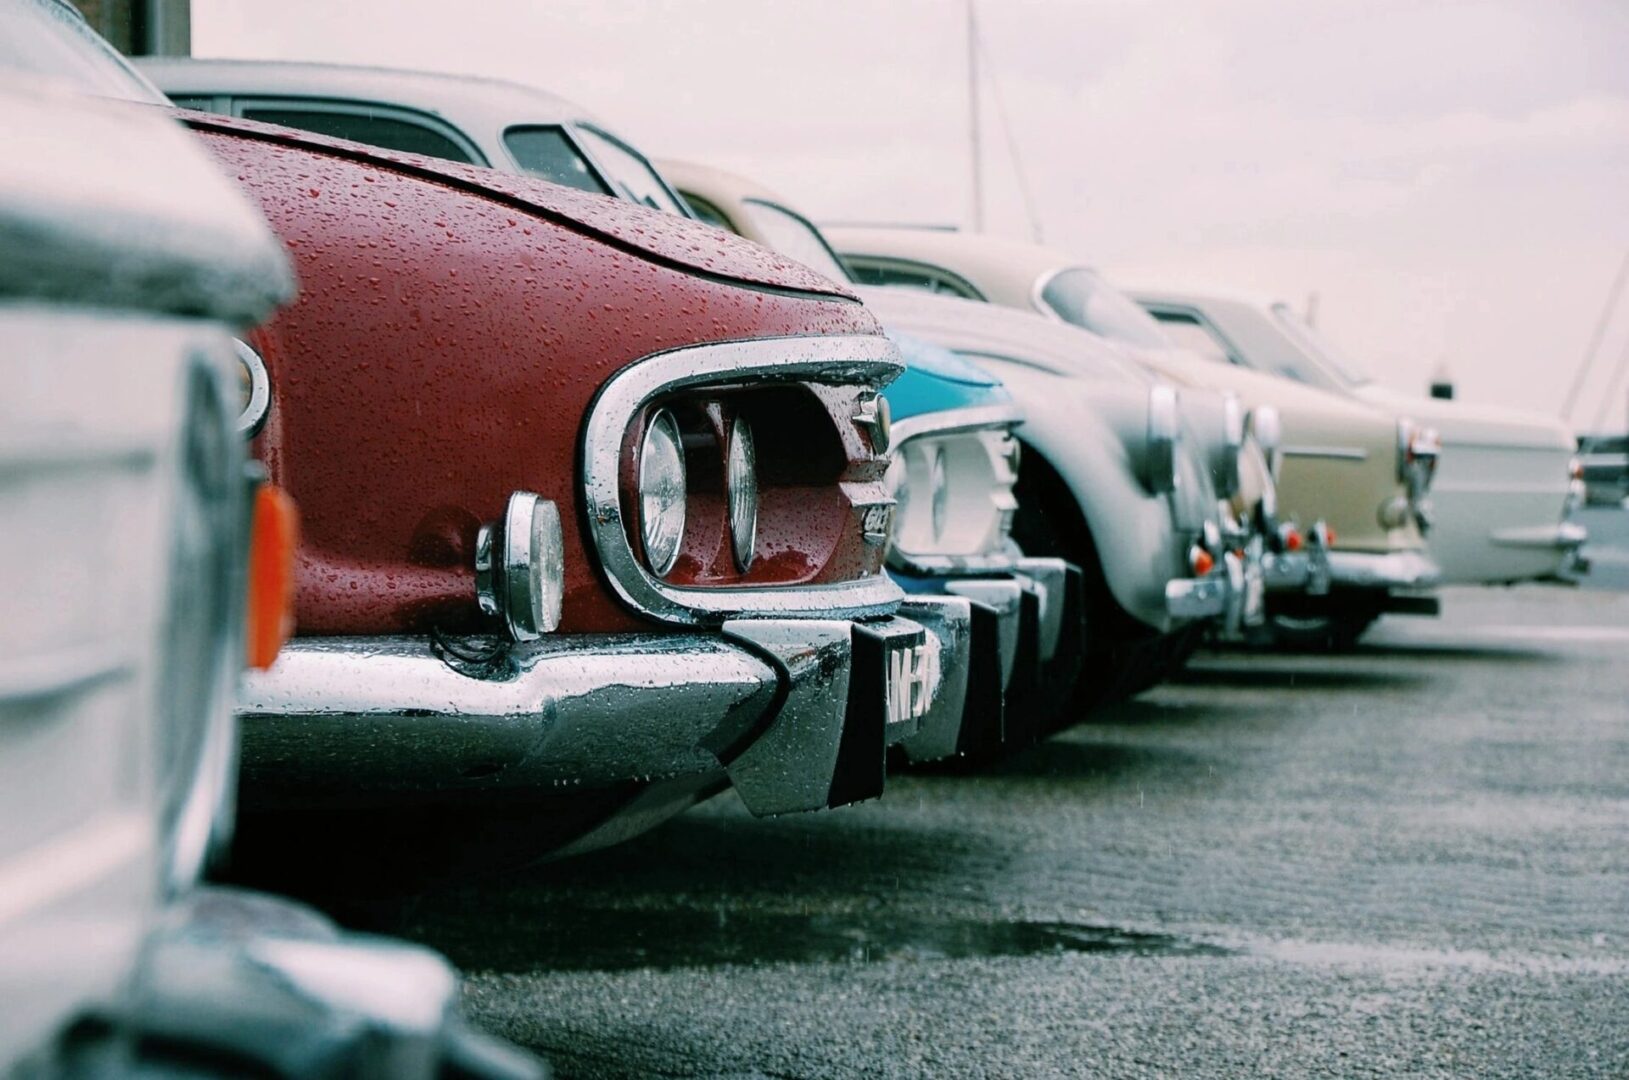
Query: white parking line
[1552, 633]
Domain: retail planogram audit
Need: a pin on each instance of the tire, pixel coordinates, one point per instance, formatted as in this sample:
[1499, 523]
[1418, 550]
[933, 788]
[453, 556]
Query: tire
[1124, 656]
[1337, 632]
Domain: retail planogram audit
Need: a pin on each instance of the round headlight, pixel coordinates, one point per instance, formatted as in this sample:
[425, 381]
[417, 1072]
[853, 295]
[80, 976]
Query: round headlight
[741, 478]
[1161, 466]
[939, 486]
[661, 492]
[1232, 421]
[520, 567]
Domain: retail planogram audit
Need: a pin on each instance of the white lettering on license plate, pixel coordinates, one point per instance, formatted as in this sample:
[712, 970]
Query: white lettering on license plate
[913, 676]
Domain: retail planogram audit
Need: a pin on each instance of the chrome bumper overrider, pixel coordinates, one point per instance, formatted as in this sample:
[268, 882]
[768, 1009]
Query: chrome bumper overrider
[1392, 570]
[1304, 570]
[796, 712]
[1006, 636]
[276, 989]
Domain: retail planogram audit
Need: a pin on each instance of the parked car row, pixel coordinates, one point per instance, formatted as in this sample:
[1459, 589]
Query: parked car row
[620, 484]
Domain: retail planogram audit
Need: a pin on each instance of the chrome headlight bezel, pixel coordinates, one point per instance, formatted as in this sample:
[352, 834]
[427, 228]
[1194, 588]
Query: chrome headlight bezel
[952, 477]
[660, 486]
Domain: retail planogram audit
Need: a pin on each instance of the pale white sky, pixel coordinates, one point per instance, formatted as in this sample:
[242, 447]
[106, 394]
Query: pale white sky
[1452, 178]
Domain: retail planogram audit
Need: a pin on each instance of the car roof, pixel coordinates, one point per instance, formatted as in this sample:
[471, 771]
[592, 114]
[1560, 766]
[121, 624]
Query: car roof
[993, 265]
[474, 102]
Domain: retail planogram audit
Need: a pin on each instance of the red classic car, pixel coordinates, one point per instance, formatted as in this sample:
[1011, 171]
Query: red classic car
[593, 499]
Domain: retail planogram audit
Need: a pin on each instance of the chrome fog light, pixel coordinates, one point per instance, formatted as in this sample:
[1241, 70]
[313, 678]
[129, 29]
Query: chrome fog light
[1160, 466]
[520, 567]
[254, 390]
[662, 492]
[741, 480]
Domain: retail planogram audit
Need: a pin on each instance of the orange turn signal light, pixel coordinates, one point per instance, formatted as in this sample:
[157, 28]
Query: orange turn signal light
[1292, 539]
[1329, 536]
[273, 536]
[1201, 560]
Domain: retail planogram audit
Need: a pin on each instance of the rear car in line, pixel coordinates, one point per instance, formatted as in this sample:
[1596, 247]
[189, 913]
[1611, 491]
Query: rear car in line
[1335, 461]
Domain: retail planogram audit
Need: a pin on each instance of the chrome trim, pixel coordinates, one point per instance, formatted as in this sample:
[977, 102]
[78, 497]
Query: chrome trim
[875, 418]
[391, 716]
[864, 360]
[951, 421]
[1197, 598]
[949, 623]
[1006, 597]
[1339, 453]
[1037, 293]
[1374, 570]
[252, 418]
[30, 679]
[1564, 537]
[789, 767]
[1050, 577]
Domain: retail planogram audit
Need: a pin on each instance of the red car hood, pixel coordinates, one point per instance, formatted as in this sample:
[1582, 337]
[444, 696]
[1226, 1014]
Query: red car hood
[660, 237]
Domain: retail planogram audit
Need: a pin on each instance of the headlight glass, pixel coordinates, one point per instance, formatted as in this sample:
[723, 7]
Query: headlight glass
[741, 478]
[662, 492]
[953, 497]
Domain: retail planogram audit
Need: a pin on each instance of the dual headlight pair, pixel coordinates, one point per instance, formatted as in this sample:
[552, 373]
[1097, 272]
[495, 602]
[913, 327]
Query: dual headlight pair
[663, 493]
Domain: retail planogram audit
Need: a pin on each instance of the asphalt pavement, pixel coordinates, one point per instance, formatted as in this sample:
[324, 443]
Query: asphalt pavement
[1409, 860]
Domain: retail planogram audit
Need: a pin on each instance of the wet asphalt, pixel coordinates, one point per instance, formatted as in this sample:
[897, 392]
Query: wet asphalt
[1409, 860]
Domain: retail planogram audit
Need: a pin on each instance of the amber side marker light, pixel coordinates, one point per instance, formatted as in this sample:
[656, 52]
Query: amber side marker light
[273, 536]
[1201, 560]
[1292, 539]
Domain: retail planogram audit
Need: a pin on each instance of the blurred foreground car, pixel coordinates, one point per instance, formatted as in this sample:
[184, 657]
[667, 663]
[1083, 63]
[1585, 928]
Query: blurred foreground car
[1335, 461]
[997, 610]
[132, 593]
[596, 516]
[1503, 491]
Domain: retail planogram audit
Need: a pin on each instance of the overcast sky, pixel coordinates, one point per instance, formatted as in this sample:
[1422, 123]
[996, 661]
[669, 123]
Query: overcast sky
[1451, 178]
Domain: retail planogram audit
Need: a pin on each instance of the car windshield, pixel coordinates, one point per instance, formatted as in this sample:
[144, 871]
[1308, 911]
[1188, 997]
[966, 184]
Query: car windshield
[545, 151]
[794, 237]
[1325, 363]
[1080, 296]
[629, 173]
[48, 38]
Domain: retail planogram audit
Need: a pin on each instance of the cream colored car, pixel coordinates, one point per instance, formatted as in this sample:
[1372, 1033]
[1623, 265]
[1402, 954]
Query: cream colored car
[1505, 490]
[1362, 472]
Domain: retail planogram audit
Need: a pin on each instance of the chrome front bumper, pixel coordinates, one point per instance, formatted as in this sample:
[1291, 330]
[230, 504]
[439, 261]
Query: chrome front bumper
[796, 713]
[1304, 570]
[1373, 570]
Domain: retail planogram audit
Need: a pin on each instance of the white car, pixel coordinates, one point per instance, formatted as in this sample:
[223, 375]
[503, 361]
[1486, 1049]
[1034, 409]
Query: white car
[141, 565]
[1505, 485]
[1352, 475]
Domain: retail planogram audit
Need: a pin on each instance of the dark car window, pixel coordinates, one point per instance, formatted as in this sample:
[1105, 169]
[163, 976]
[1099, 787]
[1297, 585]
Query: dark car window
[1195, 336]
[793, 236]
[706, 211]
[545, 151]
[634, 178]
[44, 38]
[387, 132]
[866, 271]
